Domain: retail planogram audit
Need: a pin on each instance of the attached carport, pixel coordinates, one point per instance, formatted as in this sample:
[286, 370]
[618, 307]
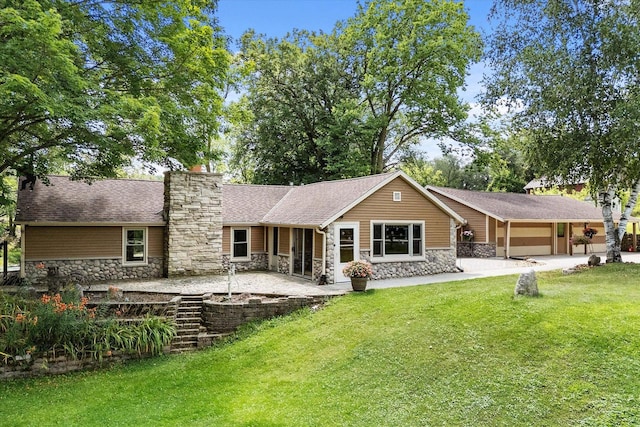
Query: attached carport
[522, 225]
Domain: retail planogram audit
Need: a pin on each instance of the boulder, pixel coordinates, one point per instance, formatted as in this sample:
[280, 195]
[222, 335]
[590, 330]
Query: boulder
[594, 260]
[527, 284]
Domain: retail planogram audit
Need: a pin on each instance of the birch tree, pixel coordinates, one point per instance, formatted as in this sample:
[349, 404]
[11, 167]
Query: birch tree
[569, 71]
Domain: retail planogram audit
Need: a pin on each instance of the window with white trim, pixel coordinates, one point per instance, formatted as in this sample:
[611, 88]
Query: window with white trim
[397, 239]
[134, 246]
[240, 243]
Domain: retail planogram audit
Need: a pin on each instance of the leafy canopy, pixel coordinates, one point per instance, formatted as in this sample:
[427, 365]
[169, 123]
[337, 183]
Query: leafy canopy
[350, 102]
[96, 83]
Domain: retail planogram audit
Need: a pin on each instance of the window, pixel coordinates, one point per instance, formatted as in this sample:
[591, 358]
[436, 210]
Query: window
[135, 246]
[396, 240]
[560, 231]
[240, 243]
[275, 241]
[397, 196]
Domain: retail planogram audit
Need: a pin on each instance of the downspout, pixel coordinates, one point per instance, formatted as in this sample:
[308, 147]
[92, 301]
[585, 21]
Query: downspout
[458, 265]
[23, 245]
[324, 255]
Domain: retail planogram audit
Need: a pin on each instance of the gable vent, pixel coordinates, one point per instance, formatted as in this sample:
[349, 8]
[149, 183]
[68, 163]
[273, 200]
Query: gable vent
[397, 196]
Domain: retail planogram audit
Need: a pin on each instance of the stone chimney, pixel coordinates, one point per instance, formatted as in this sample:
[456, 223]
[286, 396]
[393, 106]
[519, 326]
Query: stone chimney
[193, 235]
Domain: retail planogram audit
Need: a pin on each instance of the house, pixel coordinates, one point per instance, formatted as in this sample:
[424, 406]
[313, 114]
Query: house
[521, 225]
[542, 184]
[193, 224]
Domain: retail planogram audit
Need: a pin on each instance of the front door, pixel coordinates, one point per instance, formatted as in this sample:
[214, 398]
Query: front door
[561, 238]
[303, 252]
[347, 247]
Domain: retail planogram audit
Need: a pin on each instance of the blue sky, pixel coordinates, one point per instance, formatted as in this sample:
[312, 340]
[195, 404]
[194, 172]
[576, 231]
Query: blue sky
[275, 18]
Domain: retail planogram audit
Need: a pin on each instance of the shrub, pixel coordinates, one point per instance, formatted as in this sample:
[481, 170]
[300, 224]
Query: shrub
[64, 323]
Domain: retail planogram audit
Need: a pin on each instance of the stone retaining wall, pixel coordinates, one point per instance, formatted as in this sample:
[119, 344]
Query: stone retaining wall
[476, 250]
[224, 317]
[90, 270]
[53, 365]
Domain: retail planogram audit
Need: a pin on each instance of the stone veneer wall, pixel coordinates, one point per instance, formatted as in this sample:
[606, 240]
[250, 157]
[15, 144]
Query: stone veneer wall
[193, 236]
[437, 261]
[91, 270]
[259, 261]
[476, 250]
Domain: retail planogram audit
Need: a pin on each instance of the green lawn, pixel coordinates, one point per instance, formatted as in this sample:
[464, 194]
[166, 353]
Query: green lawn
[462, 353]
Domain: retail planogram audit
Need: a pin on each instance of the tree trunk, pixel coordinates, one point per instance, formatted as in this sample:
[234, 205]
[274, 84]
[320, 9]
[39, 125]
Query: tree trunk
[612, 241]
[613, 235]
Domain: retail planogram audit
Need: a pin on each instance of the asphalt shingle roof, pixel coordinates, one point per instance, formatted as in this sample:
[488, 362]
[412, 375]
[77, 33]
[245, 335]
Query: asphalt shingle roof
[514, 206]
[109, 200]
[250, 203]
[317, 203]
[140, 201]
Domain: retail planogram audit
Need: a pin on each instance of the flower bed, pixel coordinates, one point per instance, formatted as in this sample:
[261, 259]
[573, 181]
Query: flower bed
[63, 324]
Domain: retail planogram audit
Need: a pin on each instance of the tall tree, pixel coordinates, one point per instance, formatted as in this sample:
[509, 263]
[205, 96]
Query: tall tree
[409, 59]
[98, 82]
[570, 71]
[348, 103]
[304, 118]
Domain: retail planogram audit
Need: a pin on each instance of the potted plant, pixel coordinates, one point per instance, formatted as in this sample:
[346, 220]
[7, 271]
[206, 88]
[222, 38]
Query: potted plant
[467, 235]
[358, 271]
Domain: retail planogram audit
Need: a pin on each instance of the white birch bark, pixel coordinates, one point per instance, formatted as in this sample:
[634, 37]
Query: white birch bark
[613, 236]
[605, 199]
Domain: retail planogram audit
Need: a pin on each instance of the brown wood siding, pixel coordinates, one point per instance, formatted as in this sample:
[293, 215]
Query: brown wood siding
[72, 242]
[531, 234]
[413, 207]
[257, 239]
[156, 242]
[476, 221]
[226, 240]
[283, 241]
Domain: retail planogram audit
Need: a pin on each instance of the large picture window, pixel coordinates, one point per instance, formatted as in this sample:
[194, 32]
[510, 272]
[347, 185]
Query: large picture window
[394, 240]
[135, 246]
[240, 243]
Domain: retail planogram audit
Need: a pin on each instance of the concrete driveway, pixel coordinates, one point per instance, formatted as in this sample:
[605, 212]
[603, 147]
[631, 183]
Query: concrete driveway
[268, 283]
[474, 268]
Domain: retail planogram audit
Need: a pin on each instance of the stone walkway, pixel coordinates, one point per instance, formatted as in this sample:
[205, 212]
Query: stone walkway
[269, 283]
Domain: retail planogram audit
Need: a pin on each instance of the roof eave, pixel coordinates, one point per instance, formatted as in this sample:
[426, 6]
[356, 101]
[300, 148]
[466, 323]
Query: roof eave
[91, 224]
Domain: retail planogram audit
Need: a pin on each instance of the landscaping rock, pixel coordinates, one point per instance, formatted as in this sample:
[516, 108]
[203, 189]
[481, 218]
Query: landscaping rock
[527, 284]
[594, 260]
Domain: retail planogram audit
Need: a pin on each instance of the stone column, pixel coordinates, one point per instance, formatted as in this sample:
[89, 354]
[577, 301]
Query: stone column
[193, 236]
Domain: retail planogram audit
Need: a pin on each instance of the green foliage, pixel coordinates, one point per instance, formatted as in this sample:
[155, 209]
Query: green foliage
[302, 123]
[64, 324]
[569, 72]
[97, 83]
[423, 172]
[327, 106]
[464, 353]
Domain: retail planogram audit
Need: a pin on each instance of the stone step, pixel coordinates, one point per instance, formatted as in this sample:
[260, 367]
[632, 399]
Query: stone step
[189, 312]
[187, 322]
[192, 337]
[188, 332]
